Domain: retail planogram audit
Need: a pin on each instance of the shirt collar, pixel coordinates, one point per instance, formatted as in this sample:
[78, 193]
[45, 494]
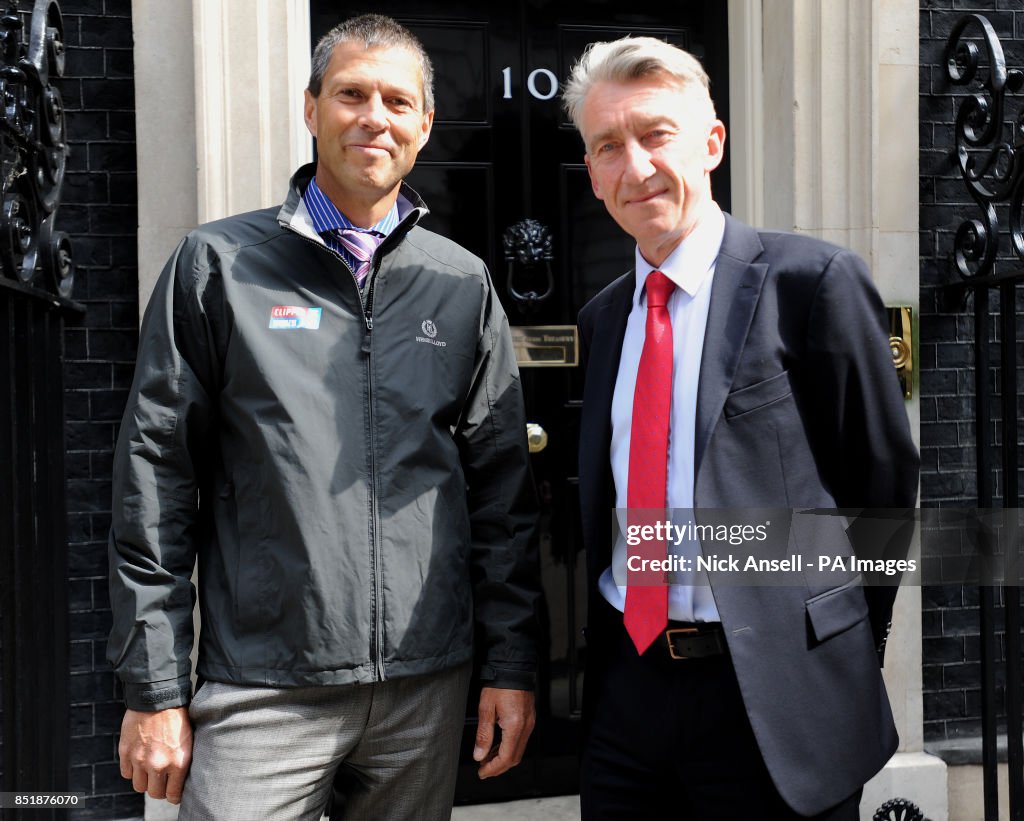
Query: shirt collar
[327, 218]
[690, 265]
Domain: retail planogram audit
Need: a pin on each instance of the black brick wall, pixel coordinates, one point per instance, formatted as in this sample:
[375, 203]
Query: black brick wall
[99, 210]
[952, 694]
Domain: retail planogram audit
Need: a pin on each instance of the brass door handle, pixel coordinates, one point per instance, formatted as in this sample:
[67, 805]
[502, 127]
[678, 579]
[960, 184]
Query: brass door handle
[536, 437]
[901, 345]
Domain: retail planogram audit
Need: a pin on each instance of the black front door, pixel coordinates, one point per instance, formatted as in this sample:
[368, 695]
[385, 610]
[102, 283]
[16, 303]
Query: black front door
[501, 152]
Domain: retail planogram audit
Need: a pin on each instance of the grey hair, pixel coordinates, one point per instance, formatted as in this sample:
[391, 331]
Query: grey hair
[632, 58]
[373, 31]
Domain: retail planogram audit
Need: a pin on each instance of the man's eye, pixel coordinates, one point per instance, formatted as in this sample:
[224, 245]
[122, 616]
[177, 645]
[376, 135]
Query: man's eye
[605, 148]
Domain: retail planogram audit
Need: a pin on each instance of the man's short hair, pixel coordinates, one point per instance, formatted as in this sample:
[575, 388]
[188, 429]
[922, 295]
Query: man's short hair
[373, 31]
[633, 58]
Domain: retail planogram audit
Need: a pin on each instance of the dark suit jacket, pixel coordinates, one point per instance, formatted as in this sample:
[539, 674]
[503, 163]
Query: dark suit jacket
[798, 406]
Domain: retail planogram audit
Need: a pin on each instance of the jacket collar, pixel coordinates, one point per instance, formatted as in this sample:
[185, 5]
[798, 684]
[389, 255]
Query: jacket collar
[735, 290]
[294, 216]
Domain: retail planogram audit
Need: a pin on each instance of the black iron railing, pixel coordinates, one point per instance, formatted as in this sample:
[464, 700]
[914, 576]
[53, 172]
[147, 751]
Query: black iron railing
[36, 277]
[989, 262]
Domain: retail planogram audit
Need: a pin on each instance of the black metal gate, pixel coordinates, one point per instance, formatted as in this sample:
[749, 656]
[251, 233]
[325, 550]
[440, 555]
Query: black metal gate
[35, 286]
[33, 554]
[989, 150]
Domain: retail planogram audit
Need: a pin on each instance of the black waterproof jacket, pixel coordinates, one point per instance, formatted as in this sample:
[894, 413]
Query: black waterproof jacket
[349, 469]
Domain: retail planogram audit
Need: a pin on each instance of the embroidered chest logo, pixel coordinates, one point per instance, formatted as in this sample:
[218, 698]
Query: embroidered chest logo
[288, 317]
[430, 329]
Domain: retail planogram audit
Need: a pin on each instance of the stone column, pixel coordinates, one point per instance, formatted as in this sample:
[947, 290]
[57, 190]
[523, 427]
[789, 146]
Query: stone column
[251, 65]
[219, 113]
[165, 127]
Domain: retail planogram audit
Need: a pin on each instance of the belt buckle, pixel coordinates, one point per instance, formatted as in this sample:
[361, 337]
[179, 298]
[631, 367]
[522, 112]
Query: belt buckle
[671, 647]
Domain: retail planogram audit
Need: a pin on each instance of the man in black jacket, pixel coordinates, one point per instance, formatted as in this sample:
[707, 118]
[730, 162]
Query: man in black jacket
[327, 417]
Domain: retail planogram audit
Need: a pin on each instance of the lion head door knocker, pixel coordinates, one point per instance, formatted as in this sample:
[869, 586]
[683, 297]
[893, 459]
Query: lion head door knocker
[528, 245]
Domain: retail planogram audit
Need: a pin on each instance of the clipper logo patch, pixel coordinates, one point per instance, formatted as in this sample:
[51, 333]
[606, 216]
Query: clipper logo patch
[286, 317]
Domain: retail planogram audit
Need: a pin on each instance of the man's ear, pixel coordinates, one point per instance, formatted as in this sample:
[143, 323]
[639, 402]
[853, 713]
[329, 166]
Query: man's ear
[716, 146]
[309, 111]
[428, 123]
[593, 179]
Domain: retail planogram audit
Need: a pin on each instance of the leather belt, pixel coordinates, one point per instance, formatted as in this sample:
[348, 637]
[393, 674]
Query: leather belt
[692, 641]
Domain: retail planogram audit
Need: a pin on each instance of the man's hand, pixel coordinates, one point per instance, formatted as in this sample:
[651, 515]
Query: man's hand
[513, 711]
[155, 751]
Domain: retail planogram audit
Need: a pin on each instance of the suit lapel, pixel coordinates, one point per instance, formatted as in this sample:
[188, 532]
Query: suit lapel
[735, 290]
[597, 497]
[602, 370]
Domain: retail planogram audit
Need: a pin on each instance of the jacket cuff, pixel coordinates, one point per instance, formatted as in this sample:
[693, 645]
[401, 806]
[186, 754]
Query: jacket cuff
[158, 695]
[505, 678]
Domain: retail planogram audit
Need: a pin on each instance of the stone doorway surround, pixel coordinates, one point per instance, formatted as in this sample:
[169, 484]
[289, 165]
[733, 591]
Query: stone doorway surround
[823, 140]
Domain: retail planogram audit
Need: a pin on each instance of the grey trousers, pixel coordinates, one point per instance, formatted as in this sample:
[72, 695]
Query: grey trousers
[269, 754]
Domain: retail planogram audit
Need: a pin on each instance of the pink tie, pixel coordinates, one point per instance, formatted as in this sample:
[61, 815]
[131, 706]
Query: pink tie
[647, 603]
[361, 244]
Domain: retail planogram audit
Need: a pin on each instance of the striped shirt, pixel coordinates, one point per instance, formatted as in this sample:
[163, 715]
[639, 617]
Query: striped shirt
[327, 219]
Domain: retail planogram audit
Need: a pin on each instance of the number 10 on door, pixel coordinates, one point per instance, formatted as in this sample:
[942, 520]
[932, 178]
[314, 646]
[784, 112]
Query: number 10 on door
[545, 76]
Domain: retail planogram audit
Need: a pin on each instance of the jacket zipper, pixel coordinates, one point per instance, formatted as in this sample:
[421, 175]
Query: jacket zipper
[378, 617]
[377, 651]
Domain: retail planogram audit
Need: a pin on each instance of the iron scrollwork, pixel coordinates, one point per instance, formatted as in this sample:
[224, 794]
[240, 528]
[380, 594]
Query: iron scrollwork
[528, 243]
[899, 809]
[33, 149]
[989, 160]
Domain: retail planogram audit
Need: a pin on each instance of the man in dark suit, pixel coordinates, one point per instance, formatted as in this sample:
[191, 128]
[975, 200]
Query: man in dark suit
[731, 369]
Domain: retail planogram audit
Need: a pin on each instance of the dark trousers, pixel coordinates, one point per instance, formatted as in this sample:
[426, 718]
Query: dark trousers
[670, 740]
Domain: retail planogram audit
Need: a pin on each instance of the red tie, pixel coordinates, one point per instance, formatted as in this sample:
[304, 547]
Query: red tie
[647, 603]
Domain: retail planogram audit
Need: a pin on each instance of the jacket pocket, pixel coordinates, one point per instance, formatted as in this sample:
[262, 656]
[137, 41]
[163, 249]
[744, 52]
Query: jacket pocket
[838, 609]
[758, 395]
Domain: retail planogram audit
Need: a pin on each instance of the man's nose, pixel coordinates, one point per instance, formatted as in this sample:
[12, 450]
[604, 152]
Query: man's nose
[373, 116]
[638, 166]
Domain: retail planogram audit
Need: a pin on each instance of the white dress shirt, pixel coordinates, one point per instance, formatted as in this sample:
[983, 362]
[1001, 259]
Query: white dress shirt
[691, 267]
